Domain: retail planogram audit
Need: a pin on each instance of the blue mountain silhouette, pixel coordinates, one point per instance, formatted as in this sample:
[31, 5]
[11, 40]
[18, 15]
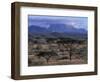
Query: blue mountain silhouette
[58, 28]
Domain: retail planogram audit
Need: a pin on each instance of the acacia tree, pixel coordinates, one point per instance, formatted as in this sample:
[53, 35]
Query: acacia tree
[72, 49]
[70, 43]
[47, 55]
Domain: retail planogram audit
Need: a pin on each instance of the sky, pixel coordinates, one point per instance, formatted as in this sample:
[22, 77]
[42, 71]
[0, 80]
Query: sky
[45, 21]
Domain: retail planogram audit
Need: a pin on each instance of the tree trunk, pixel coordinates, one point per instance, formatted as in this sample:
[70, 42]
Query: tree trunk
[47, 60]
[70, 51]
[70, 54]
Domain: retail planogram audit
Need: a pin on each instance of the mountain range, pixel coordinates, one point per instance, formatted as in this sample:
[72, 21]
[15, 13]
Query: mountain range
[57, 30]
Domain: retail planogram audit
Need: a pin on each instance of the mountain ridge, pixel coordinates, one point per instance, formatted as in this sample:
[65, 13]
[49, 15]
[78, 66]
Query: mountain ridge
[57, 31]
[60, 28]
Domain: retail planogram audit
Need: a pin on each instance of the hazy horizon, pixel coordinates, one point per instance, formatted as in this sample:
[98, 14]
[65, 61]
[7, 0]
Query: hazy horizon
[46, 21]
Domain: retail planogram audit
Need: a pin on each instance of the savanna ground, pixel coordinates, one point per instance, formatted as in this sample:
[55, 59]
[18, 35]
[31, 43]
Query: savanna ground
[56, 51]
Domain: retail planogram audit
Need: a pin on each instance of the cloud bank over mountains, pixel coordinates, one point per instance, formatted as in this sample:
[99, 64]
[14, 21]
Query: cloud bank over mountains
[47, 21]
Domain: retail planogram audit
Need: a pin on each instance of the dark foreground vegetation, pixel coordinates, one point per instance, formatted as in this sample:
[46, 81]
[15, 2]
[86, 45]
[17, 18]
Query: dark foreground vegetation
[56, 51]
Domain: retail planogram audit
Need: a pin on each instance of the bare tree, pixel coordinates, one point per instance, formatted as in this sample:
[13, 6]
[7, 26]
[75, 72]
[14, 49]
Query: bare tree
[47, 55]
[70, 42]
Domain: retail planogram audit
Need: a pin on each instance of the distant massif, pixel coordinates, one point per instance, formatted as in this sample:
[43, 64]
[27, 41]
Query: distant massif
[56, 31]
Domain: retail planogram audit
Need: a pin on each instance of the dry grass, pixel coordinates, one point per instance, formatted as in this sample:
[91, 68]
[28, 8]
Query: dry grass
[52, 61]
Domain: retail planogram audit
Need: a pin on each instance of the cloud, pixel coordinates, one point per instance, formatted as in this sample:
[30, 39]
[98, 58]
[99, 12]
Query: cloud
[45, 21]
